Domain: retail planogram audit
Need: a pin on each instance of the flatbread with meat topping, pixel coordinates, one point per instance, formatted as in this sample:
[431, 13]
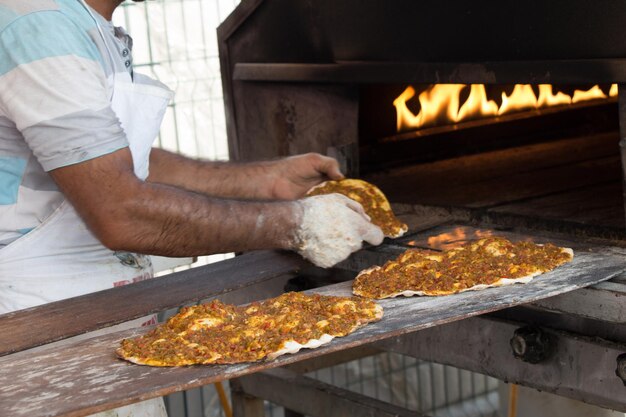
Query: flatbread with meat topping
[489, 262]
[371, 198]
[218, 333]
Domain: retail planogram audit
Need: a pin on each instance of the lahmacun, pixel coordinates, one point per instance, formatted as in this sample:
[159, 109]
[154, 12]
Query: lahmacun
[218, 333]
[489, 262]
[371, 198]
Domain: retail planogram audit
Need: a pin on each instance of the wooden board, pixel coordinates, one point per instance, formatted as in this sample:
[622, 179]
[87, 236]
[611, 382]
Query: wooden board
[78, 315]
[603, 301]
[310, 397]
[86, 377]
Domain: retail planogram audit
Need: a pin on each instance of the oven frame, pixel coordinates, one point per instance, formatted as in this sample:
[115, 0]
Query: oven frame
[275, 96]
[277, 89]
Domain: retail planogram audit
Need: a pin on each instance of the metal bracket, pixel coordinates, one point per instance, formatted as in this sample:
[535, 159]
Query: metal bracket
[531, 344]
[621, 367]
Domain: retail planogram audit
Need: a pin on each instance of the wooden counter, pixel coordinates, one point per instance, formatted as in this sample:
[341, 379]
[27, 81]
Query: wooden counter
[83, 377]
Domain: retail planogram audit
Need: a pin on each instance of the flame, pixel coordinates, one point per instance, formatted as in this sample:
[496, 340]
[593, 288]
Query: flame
[456, 237]
[451, 238]
[522, 98]
[477, 103]
[445, 240]
[441, 103]
[591, 94]
[548, 98]
[438, 104]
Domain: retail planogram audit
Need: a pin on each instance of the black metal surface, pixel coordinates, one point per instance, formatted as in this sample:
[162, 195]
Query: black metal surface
[622, 134]
[621, 368]
[582, 368]
[531, 344]
[594, 71]
[433, 31]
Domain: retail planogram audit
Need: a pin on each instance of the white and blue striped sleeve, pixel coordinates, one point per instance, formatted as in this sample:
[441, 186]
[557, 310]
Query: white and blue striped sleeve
[53, 87]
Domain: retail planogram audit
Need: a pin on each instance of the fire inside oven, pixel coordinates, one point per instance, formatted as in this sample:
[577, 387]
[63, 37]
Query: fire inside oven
[545, 153]
[445, 104]
[516, 113]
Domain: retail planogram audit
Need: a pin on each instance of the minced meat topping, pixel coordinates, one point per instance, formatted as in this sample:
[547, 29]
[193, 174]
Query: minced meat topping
[483, 262]
[221, 333]
[371, 198]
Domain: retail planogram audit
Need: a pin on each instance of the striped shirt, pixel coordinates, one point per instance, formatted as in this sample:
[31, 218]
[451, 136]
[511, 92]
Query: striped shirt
[55, 87]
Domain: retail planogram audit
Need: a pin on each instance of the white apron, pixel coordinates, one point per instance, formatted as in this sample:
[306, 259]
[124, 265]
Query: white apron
[61, 258]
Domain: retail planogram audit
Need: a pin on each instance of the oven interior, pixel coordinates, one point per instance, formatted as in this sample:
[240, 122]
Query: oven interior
[554, 167]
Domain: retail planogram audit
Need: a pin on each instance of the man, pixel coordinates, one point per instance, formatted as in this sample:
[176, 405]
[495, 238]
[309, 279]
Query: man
[83, 199]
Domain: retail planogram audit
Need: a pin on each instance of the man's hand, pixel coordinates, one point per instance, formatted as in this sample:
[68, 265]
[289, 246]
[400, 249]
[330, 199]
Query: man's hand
[332, 227]
[292, 177]
[282, 179]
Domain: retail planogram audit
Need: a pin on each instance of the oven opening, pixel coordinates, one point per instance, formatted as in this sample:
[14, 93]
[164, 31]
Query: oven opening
[437, 105]
[543, 154]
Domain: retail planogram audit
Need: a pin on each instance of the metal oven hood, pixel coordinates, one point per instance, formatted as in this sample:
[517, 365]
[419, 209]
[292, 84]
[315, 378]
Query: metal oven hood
[288, 64]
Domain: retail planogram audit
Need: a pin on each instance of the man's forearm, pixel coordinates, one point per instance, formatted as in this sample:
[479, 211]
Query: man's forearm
[166, 221]
[217, 179]
[126, 213]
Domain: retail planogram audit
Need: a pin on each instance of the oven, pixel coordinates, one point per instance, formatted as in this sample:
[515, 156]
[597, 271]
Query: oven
[474, 118]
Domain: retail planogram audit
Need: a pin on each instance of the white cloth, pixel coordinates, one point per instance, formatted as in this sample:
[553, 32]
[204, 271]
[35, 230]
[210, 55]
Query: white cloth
[61, 258]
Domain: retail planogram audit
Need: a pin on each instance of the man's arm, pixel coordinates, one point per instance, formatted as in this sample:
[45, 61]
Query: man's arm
[282, 179]
[128, 214]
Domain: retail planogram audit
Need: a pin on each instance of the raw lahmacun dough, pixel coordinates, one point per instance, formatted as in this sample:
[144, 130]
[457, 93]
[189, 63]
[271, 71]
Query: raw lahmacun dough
[218, 333]
[485, 263]
[371, 198]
